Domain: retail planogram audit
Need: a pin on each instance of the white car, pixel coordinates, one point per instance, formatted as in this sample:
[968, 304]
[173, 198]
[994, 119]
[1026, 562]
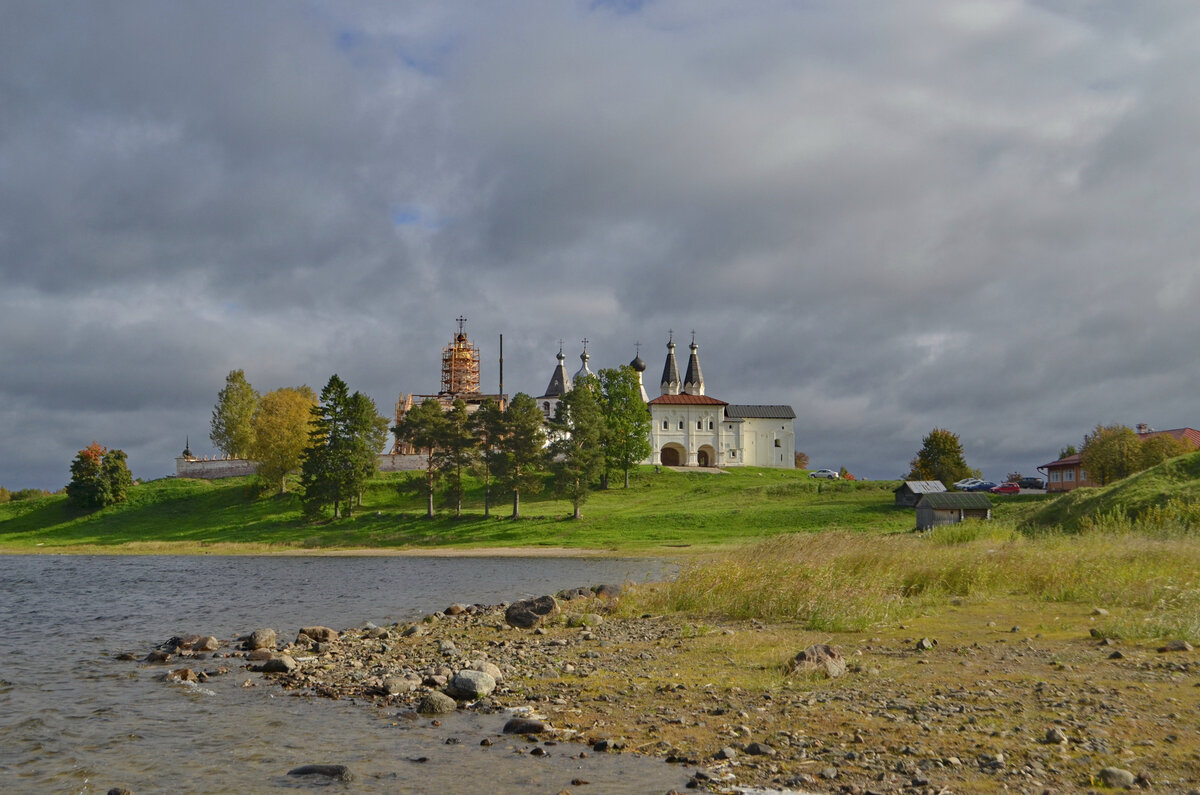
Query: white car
[824, 473]
[966, 483]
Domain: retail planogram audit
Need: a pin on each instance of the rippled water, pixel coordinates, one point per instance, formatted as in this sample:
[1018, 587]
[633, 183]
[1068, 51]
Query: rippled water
[75, 719]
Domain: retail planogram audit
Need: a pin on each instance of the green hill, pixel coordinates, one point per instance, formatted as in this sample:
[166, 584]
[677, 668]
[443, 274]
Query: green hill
[667, 509]
[1162, 500]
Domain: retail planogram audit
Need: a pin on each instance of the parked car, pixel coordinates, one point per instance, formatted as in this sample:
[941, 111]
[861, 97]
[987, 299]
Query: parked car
[1005, 488]
[1031, 483]
[966, 483]
[824, 473]
[983, 485]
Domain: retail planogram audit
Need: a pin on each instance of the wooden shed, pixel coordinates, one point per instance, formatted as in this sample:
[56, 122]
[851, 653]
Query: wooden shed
[951, 508]
[910, 492]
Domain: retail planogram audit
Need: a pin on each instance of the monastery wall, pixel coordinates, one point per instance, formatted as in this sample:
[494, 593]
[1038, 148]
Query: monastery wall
[212, 469]
[216, 468]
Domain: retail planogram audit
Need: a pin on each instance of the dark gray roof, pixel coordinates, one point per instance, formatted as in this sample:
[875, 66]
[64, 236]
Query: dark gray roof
[693, 382]
[670, 378]
[955, 499]
[922, 486]
[560, 384]
[759, 412]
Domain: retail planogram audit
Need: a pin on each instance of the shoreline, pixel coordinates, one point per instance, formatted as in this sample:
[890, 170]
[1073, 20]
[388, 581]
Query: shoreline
[249, 550]
[963, 699]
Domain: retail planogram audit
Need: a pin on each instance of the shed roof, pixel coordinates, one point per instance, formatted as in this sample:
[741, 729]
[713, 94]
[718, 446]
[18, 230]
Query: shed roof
[740, 411]
[922, 486]
[955, 499]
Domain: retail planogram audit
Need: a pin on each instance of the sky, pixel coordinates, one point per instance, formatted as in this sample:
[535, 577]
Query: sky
[978, 215]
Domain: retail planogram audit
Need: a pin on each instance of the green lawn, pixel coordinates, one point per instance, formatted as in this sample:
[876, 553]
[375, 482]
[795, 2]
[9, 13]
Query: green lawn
[666, 509]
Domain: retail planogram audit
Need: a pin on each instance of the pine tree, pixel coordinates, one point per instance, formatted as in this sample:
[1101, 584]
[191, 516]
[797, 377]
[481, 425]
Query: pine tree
[459, 449]
[522, 457]
[326, 471]
[367, 430]
[487, 424]
[424, 427]
[626, 438]
[577, 455]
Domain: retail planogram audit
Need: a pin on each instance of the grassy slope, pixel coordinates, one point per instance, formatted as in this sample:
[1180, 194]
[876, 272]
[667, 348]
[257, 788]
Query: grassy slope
[666, 509]
[1177, 480]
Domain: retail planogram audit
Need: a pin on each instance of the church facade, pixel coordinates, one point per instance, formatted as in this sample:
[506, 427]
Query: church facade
[689, 428]
[693, 429]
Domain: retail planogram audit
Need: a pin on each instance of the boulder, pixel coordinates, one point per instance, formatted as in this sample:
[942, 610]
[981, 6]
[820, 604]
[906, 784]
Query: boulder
[335, 772]
[260, 639]
[320, 634]
[524, 726]
[607, 591]
[1116, 778]
[282, 664]
[207, 643]
[435, 703]
[819, 657]
[1176, 645]
[491, 669]
[398, 685]
[531, 613]
[470, 685]
[182, 675]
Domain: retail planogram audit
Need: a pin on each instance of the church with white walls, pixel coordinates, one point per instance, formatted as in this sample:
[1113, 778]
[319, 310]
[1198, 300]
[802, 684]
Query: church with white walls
[692, 429]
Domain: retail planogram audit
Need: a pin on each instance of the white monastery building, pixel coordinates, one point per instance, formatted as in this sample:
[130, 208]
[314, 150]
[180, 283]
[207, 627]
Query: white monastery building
[689, 428]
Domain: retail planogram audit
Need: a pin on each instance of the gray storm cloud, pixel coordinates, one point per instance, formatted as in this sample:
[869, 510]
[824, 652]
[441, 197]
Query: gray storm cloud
[976, 215]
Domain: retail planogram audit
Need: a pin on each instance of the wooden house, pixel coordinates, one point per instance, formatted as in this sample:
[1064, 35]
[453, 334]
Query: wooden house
[951, 507]
[909, 492]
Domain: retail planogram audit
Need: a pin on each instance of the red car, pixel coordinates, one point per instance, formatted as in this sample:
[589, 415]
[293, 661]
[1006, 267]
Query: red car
[1006, 488]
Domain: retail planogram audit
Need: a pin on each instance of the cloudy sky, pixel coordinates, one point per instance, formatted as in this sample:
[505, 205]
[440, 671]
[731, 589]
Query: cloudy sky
[893, 216]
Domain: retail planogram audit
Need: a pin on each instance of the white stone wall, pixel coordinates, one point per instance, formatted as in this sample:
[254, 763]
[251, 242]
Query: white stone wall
[216, 468]
[213, 469]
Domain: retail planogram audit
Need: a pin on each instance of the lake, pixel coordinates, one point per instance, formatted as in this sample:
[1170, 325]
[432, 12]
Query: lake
[75, 719]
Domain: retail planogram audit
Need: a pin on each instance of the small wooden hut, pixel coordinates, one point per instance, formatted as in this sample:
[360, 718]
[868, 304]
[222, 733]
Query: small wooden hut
[951, 508]
[910, 492]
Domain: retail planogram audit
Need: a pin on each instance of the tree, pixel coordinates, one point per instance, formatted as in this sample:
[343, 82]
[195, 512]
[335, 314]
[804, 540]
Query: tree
[521, 459]
[626, 437]
[1156, 449]
[801, 460]
[577, 455]
[1067, 451]
[99, 477]
[1109, 453]
[940, 458]
[487, 423]
[326, 469]
[280, 431]
[368, 433]
[232, 418]
[459, 449]
[424, 427]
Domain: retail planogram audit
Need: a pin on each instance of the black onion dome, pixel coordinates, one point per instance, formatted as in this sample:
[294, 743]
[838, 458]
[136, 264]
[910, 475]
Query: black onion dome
[638, 365]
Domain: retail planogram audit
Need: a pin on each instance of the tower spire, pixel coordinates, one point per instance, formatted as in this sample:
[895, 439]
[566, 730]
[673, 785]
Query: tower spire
[670, 377]
[693, 382]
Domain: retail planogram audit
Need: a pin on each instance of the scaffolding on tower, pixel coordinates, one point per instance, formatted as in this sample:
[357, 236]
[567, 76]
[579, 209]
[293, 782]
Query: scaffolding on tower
[460, 365]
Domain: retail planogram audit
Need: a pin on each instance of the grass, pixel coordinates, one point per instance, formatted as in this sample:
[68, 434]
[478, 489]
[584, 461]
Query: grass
[849, 582]
[665, 510]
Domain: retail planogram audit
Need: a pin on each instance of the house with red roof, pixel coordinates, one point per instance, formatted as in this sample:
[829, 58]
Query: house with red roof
[691, 428]
[1067, 473]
